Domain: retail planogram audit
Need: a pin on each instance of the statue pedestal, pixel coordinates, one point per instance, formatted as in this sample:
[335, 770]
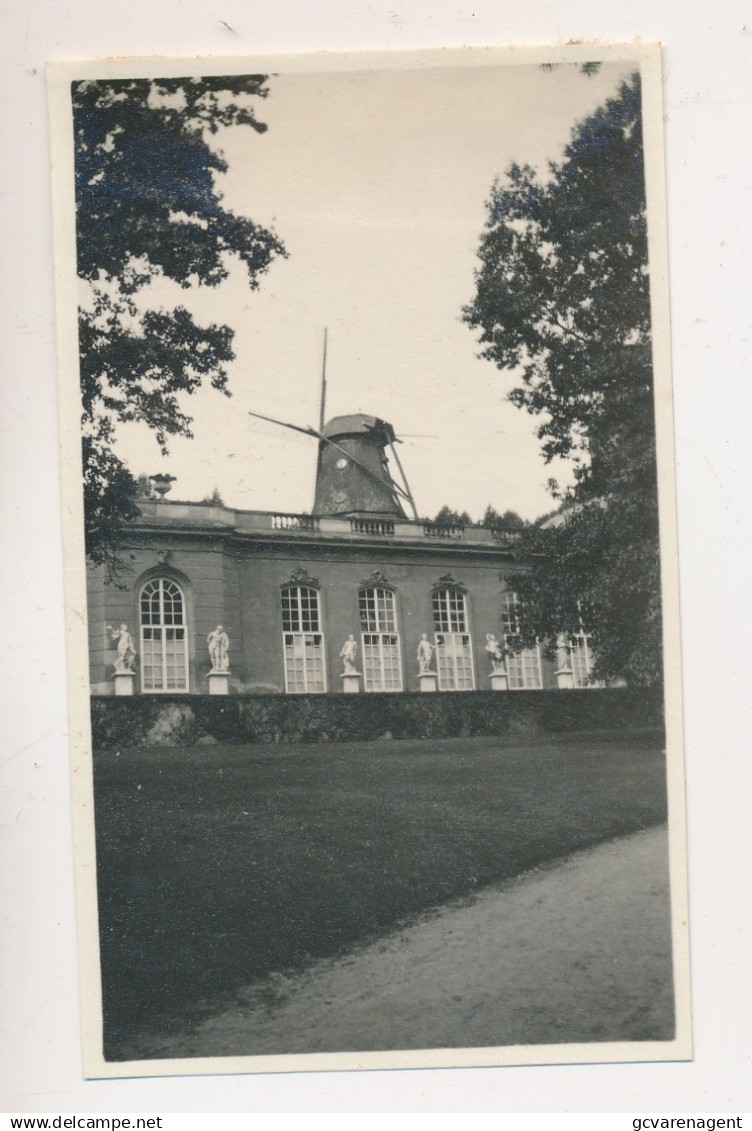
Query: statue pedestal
[565, 679]
[499, 681]
[124, 683]
[219, 683]
[428, 681]
[351, 683]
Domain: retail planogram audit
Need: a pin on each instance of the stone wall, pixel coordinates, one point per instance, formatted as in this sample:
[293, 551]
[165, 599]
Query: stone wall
[170, 720]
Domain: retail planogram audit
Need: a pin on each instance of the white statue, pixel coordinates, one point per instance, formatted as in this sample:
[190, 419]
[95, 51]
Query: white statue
[126, 653]
[219, 645]
[348, 656]
[425, 652]
[495, 653]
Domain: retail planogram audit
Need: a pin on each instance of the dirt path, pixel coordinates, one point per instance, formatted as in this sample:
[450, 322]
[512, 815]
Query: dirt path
[577, 951]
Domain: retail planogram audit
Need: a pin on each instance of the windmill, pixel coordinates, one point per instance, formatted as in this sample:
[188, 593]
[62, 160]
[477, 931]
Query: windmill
[352, 473]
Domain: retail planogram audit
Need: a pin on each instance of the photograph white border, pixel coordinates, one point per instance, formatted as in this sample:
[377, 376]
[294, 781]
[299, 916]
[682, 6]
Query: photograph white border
[708, 85]
[60, 78]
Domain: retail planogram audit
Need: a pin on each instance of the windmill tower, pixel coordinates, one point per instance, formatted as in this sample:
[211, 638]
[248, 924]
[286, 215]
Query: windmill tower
[352, 475]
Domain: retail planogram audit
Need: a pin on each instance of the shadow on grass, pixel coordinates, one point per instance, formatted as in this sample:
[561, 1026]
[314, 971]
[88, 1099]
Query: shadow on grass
[220, 865]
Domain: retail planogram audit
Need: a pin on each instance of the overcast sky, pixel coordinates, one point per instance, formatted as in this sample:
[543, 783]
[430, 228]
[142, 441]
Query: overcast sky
[376, 181]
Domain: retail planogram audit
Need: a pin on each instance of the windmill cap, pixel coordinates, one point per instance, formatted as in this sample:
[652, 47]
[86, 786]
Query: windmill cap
[359, 425]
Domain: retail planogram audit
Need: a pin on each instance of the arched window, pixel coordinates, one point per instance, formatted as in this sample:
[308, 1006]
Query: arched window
[454, 644]
[302, 641]
[523, 667]
[164, 637]
[380, 642]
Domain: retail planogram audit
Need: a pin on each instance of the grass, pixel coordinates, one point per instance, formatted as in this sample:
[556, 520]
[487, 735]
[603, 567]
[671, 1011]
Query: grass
[220, 865]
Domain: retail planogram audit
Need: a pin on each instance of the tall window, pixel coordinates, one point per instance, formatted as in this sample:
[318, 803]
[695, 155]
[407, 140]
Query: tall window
[454, 645]
[576, 655]
[302, 641]
[581, 658]
[523, 668]
[164, 637]
[380, 642]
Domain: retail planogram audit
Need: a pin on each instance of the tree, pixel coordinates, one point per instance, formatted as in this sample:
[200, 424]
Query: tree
[509, 520]
[148, 207]
[449, 517]
[144, 487]
[562, 299]
[215, 498]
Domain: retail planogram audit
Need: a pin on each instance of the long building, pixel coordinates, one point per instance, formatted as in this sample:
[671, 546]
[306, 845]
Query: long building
[293, 592]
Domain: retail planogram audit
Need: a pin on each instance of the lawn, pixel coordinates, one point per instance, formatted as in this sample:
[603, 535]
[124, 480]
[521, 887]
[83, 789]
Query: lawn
[218, 865]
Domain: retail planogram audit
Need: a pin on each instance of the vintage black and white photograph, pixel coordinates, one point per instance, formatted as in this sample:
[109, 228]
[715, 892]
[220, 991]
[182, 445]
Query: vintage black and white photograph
[368, 467]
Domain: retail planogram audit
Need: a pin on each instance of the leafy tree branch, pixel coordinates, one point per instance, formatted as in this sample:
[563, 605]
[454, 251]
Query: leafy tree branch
[148, 206]
[562, 304]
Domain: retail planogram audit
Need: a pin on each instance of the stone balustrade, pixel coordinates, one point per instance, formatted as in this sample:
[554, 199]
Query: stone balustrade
[378, 526]
[442, 530]
[294, 522]
[196, 515]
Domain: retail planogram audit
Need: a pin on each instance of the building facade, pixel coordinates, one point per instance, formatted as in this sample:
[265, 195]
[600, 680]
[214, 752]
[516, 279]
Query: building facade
[293, 593]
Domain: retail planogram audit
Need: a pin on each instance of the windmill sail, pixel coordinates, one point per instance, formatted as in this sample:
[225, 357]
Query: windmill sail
[353, 470]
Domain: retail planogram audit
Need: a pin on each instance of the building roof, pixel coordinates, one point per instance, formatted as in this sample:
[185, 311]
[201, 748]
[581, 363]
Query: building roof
[172, 516]
[359, 424]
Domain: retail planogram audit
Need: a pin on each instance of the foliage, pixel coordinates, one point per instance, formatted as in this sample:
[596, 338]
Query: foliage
[215, 498]
[109, 498]
[596, 570]
[509, 520]
[144, 487]
[588, 69]
[447, 516]
[148, 208]
[562, 300]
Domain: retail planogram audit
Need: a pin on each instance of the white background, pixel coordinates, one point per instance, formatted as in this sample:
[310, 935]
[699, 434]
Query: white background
[708, 94]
